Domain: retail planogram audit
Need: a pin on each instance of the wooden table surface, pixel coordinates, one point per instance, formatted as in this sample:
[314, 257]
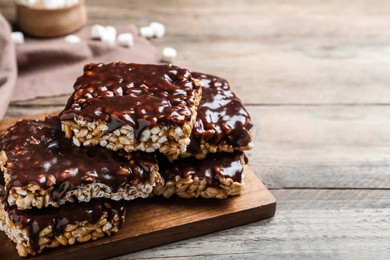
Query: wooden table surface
[315, 77]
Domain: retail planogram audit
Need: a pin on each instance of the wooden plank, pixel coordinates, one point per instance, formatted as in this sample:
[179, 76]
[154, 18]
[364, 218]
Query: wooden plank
[281, 71]
[321, 147]
[309, 224]
[43, 101]
[291, 234]
[308, 51]
[332, 199]
[311, 72]
[31, 111]
[157, 221]
[295, 52]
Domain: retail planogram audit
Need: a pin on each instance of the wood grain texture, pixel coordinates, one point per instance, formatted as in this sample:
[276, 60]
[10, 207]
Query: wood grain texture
[296, 49]
[156, 221]
[314, 76]
[322, 146]
[309, 224]
[308, 51]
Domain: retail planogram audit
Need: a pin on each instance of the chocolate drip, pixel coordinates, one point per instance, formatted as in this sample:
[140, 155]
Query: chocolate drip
[225, 165]
[133, 94]
[221, 119]
[39, 154]
[35, 220]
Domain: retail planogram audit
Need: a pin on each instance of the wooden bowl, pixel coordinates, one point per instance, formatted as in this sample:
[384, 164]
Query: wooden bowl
[41, 22]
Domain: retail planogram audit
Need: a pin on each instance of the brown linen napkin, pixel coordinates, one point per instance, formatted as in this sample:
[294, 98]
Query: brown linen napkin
[7, 65]
[48, 67]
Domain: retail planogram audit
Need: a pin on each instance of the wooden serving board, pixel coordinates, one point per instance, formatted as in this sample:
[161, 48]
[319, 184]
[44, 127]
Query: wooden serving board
[156, 221]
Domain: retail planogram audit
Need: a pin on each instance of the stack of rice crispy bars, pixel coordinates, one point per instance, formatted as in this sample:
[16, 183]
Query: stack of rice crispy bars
[128, 131]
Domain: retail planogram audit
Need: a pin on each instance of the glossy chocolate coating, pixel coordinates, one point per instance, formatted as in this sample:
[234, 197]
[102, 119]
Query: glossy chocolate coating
[39, 154]
[224, 165]
[221, 119]
[35, 220]
[138, 95]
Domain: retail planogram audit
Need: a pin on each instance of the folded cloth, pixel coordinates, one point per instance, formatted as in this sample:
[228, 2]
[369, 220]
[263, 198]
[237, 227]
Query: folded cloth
[7, 65]
[48, 67]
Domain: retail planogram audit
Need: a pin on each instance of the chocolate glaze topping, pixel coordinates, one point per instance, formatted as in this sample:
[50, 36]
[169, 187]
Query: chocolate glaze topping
[221, 116]
[138, 95]
[225, 165]
[35, 220]
[38, 153]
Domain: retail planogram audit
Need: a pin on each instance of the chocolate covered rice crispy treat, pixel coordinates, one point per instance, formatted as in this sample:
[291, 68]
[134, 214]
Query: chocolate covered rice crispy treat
[218, 176]
[34, 230]
[222, 123]
[41, 168]
[133, 107]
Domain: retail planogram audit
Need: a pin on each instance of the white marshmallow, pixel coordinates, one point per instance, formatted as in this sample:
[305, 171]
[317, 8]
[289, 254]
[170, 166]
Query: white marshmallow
[50, 4]
[125, 39]
[28, 2]
[71, 2]
[61, 3]
[97, 31]
[146, 31]
[158, 29]
[72, 39]
[108, 38]
[53, 4]
[17, 37]
[111, 30]
[169, 54]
